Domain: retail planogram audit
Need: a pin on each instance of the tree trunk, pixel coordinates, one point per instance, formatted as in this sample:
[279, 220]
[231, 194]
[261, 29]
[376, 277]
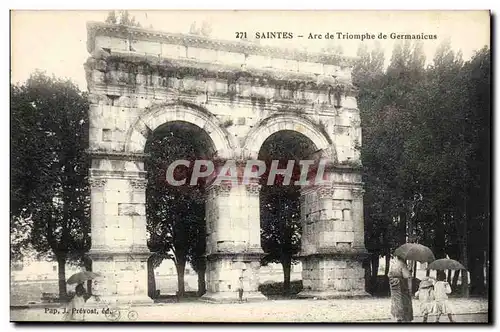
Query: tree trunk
[151, 278]
[411, 230]
[465, 279]
[287, 267]
[180, 266]
[454, 282]
[465, 284]
[387, 264]
[477, 272]
[487, 271]
[427, 272]
[367, 267]
[448, 278]
[88, 267]
[411, 265]
[61, 268]
[202, 288]
[402, 228]
[439, 237]
[440, 242]
[375, 265]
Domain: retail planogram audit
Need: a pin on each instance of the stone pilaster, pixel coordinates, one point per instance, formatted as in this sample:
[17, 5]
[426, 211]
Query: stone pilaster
[233, 242]
[358, 218]
[332, 238]
[118, 217]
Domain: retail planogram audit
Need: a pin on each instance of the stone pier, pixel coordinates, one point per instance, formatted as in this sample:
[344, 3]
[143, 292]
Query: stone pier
[233, 242]
[118, 215]
[333, 237]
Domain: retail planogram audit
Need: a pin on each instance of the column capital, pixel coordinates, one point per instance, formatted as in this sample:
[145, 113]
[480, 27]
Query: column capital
[97, 183]
[325, 192]
[221, 189]
[253, 189]
[357, 193]
[139, 184]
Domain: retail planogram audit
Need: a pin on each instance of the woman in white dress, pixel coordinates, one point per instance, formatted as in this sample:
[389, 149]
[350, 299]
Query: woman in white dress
[401, 304]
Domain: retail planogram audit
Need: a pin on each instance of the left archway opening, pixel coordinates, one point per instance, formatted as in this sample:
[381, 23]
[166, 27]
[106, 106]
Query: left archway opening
[176, 232]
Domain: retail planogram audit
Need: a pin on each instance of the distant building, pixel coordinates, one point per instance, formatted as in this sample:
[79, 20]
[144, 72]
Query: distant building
[38, 270]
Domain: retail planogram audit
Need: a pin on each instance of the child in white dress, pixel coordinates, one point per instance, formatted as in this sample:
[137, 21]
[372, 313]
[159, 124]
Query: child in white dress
[425, 296]
[442, 305]
[73, 311]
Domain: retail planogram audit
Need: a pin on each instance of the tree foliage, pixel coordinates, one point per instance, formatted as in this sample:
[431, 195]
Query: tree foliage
[123, 18]
[49, 185]
[426, 152]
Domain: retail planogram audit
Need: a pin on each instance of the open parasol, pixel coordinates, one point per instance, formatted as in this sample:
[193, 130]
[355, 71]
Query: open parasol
[415, 252]
[445, 264]
[81, 277]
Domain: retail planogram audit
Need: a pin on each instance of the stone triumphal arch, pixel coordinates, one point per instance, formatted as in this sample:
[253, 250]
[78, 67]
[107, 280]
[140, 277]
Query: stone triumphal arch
[239, 93]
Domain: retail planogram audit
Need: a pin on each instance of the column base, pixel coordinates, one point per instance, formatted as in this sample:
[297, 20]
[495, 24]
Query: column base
[232, 297]
[332, 294]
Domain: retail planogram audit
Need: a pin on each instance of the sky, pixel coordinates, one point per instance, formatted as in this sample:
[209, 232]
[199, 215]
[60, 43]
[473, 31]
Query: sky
[55, 41]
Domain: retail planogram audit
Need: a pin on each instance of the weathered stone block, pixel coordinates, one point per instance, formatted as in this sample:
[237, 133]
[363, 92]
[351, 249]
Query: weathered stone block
[207, 55]
[337, 215]
[310, 67]
[142, 46]
[98, 237]
[173, 51]
[258, 61]
[112, 43]
[111, 209]
[343, 237]
[131, 209]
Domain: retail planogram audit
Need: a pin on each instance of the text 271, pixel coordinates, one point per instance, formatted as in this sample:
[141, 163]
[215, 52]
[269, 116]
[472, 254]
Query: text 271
[241, 35]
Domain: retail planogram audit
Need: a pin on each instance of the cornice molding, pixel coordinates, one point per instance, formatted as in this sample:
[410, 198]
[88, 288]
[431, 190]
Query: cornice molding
[105, 29]
[192, 68]
[337, 253]
[115, 155]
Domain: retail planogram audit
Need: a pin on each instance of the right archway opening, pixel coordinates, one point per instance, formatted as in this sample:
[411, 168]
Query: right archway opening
[280, 212]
